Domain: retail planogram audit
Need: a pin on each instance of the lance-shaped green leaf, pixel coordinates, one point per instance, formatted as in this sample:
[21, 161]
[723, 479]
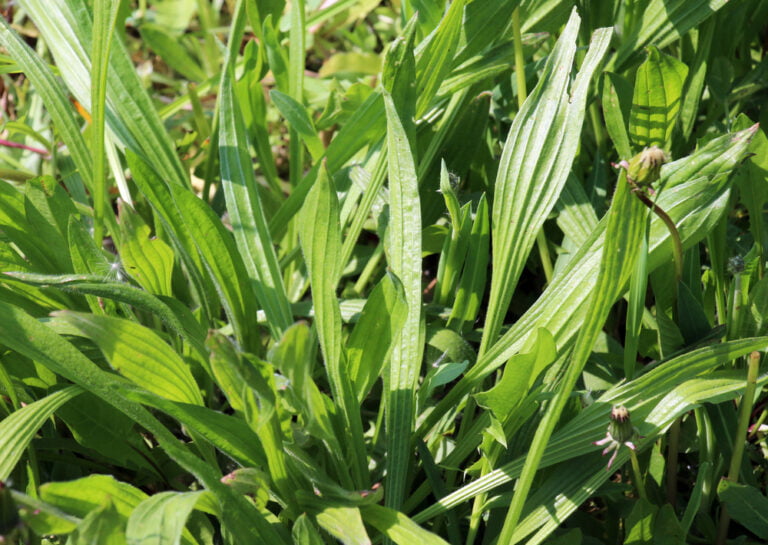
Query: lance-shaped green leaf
[616, 97]
[656, 100]
[179, 319]
[566, 489]
[172, 218]
[53, 95]
[245, 213]
[535, 163]
[403, 245]
[695, 195]
[471, 290]
[663, 21]
[22, 333]
[229, 434]
[746, 505]
[371, 341]
[435, 61]
[130, 114]
[140, 355]
[148, 260]
[397, 527]
[161, 518]
[299, 120]
[399, 74]
[623, 236]
[320, 237]
[224, 263]
[18, 429]
[102, 525]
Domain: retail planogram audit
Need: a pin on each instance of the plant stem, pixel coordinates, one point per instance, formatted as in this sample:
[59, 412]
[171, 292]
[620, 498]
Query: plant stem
[677, 246]
[745, 410]
[733, 318]
[672, 451]
[637, 475]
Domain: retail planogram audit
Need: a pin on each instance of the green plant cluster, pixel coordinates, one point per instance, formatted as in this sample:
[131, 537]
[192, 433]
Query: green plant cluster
[359, 271]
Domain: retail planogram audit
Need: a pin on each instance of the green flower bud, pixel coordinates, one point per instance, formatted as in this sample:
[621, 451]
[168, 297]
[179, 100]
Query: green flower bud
[620, 429]
[645, 167]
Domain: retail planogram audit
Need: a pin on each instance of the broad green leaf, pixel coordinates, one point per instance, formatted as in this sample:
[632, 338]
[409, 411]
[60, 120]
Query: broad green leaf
[299, 119]
[47, 210]
[656, 100]
[534, 165]
[42, 518]
[294, 356]
[350, 64]
[225, 264]
[304, 532]
[24, 334]
[178, 320]
[746, 505]
[343, 523]
[18, 429]
[99, 426]
[229, 434]
[81, 496]
[519, 374]
[397, 527]
[403, 246]
[640, 523]
[103, 525]
[667, 530]
[140, 355]
[148, 260]
[160, 519]
[248, 222]
[372, 338]
[170, 215]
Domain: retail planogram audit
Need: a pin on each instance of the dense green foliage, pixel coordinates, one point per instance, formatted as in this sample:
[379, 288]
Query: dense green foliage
[268, 271]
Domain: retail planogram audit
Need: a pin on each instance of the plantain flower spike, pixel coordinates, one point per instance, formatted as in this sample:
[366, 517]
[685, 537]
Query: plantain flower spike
[645, 167]
[620, 432]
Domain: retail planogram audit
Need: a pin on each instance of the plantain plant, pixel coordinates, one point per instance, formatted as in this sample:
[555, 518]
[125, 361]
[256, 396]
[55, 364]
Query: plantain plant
[267, 272]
